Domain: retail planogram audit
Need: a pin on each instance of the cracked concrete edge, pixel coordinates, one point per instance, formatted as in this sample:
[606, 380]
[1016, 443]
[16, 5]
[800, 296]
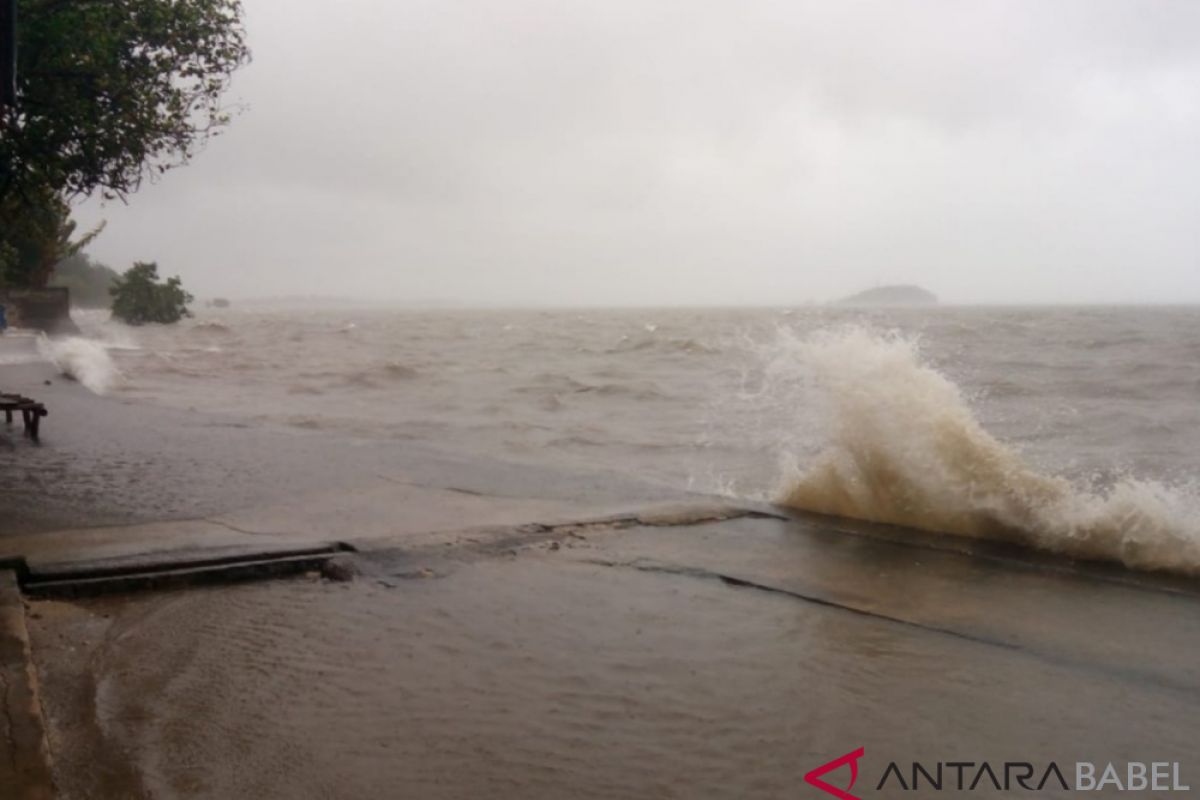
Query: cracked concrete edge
[25, 772]
[492, 539]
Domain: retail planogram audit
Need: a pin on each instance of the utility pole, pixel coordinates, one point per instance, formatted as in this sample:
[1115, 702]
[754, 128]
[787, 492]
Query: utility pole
[8, 53]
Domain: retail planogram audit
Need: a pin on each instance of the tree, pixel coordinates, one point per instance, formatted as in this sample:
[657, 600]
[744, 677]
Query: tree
[139, 297]
[112, 91]
[34, 236]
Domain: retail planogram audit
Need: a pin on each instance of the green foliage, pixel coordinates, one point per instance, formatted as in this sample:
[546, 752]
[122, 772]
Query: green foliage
[35, 234]
[139, 297]
[111, 91]
[89, 281]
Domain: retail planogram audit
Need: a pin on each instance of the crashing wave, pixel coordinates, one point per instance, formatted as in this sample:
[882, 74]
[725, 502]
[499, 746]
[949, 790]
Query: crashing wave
[904, 448]
[81, 359]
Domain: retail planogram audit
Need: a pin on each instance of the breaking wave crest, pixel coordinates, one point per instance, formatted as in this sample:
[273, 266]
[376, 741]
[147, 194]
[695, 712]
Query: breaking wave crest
[82, 359]
[904, 447]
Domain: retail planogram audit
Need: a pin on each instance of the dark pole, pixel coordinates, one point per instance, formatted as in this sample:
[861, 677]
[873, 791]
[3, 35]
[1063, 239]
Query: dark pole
[8, 53]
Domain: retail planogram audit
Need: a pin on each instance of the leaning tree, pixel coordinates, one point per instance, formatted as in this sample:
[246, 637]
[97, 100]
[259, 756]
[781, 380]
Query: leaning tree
[109, 93]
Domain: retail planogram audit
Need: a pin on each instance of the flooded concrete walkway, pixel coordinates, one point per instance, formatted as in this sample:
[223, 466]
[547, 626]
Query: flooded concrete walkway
[676, 653]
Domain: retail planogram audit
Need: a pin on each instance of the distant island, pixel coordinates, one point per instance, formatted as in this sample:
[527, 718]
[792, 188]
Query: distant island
[891, 296]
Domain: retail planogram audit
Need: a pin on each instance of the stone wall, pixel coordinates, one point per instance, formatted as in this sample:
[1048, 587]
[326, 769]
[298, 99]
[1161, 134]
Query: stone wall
[46, 310]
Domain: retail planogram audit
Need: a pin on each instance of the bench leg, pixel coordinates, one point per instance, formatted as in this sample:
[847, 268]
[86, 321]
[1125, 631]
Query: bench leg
[8, 415]
[34, 423]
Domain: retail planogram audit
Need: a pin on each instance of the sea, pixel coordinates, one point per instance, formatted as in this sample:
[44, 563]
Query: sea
[705, 660]
[1069, 429]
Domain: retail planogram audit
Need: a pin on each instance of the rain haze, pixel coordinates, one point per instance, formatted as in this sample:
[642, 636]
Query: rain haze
[600, 400]
[672, 153]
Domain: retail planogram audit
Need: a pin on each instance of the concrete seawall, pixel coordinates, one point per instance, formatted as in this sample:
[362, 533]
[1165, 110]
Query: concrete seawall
[24, 753]
[46, 309]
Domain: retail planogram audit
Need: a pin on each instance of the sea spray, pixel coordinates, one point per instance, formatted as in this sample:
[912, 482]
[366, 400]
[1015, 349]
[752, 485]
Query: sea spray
[902, 446]
[82, 359]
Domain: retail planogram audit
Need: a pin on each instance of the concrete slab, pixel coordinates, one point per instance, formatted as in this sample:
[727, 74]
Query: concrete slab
[689, 653]
[150, 540]
[1033, 605]
[391, 507]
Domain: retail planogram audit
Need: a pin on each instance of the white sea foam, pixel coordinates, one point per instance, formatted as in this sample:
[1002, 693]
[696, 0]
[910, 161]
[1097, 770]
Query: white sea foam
[99, 325]
[84, 360]
[904, 447]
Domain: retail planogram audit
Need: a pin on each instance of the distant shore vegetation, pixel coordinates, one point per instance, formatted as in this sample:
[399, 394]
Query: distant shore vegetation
[89, 281]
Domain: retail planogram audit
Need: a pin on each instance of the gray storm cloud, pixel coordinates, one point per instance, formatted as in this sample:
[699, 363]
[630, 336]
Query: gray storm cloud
[538, 152]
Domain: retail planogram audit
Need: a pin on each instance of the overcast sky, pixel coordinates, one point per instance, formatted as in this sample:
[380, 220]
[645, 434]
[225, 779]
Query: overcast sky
[693, 152]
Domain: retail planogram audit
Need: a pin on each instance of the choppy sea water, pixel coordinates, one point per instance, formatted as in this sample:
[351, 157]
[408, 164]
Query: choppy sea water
[1073, 429]
[679, 661]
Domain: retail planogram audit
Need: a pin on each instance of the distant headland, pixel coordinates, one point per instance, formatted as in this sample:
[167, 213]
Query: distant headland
[904, 295]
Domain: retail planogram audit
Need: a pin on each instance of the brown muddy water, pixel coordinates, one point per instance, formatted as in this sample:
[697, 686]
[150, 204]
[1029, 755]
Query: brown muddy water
[1068, 429]
[716, 660]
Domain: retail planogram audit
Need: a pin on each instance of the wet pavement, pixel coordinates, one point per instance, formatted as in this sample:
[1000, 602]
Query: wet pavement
[672, 655]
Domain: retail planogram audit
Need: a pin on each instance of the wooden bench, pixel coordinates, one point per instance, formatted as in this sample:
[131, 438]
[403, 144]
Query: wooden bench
[31, 412]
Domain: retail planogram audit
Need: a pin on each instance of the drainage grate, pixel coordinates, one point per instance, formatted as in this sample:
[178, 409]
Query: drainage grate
[88, 581]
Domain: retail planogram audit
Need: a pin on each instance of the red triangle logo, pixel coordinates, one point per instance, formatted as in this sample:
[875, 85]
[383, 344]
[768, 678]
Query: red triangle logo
[814, 778]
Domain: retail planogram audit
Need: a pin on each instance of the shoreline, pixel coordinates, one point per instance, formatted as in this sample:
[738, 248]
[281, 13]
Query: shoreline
[555, 632]
[115, 484]
[106, 461]
[440, 666]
